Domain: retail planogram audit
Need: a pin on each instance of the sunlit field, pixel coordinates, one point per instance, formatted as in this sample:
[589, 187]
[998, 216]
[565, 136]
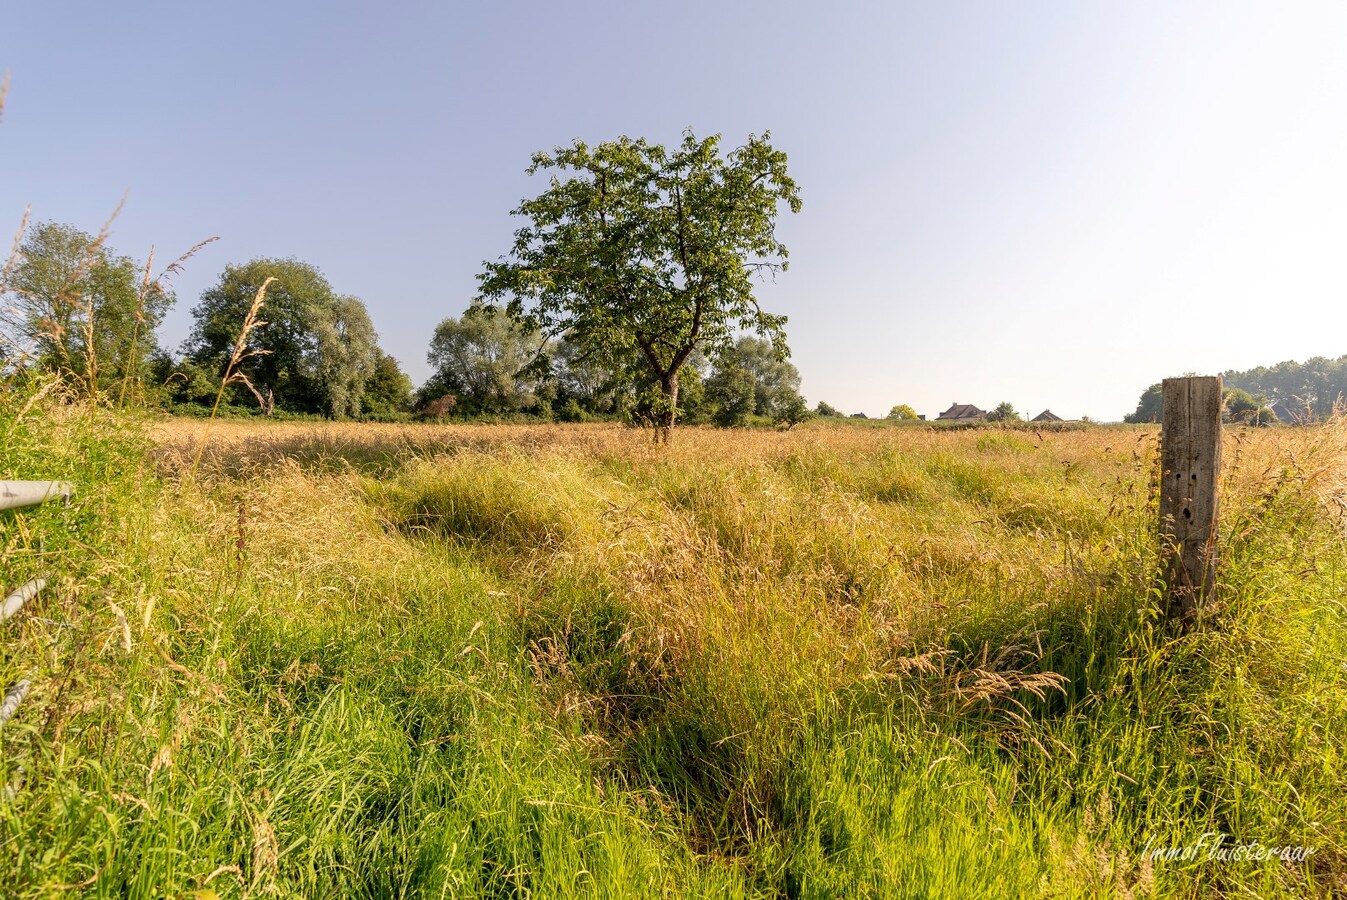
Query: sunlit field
[559, 660]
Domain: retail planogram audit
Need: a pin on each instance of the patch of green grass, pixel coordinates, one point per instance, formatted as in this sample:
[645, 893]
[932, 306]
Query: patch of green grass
[559, 662]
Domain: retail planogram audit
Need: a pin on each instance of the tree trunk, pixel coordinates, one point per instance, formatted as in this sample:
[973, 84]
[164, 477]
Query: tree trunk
[665, 423]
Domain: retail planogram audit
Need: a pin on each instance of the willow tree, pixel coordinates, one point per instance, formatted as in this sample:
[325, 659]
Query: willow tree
[638, 252]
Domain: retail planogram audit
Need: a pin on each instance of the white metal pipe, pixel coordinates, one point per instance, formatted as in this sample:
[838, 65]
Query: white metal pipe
[12, 701]
[25, 493]
[15, 601]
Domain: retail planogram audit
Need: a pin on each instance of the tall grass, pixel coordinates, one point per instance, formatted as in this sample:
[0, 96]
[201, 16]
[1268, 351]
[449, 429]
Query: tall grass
[232, 374]
[556, 661]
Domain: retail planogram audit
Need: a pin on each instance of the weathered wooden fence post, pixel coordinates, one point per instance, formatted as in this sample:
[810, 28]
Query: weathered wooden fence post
[1190, 462]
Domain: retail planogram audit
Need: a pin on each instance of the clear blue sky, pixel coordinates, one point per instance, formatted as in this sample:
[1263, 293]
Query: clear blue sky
[1052, 204]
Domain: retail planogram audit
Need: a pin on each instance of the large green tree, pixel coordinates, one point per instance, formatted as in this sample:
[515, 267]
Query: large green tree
[317, 350]
[635, 250]
[485, 359]
[75, 306]
[388, 391]
[751, 378]
[1246, 408]
[776, 381]
[731, 388]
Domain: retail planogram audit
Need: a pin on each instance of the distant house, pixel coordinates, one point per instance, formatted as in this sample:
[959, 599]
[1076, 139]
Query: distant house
[962, 412]
[1046, 415]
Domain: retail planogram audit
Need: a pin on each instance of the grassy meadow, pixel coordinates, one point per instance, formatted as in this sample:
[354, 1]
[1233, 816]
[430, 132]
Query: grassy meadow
[553, 661]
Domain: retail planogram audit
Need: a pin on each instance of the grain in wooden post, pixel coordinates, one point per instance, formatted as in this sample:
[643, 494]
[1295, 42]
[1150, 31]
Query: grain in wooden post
[1190, 462]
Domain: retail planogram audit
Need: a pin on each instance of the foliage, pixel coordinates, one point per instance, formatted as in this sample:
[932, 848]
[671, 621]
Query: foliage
[902, 413]
[348, 355]
[183, 381]
[638, 251]
[528, 661]
[791, 412]
[1295, 390]
[644, 402]
[483, 359]
[1244, 408]
[1150, 408]
[76, 307]
[587, 384]
[775, 381]
[752, 379]
[826, 410]
[1314, 386]
[315, 351]
[388, 391]
[571, 411]
[732, 388]
[1240, 406]
[1004, 412]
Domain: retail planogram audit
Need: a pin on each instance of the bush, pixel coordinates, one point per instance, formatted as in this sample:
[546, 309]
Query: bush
[571, 411]
[902, 413]
[792, 412]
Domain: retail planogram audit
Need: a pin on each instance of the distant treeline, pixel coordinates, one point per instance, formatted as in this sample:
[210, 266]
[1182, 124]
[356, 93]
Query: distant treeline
[1287, 392]
[1315, 385]
[75, 307]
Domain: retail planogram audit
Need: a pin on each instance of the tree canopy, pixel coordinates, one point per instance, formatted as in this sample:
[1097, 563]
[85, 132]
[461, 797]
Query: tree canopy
[638, 251]
[388, 391]
[587, 384]
[1004, 412]
[1309, 390]
[75, 306]
[750, 378]
[731, 387]
[484, 359]
[1149, 407]
[902, 412]
[317, 350]
[1312, 387]
[1246, 408]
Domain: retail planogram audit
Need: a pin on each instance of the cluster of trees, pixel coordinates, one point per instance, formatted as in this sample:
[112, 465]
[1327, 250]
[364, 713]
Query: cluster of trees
[318, 352]
[1240, 407]
[1314, 386]
[628, 291]
[1308, 390]
[491, 365]
[75, 307]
